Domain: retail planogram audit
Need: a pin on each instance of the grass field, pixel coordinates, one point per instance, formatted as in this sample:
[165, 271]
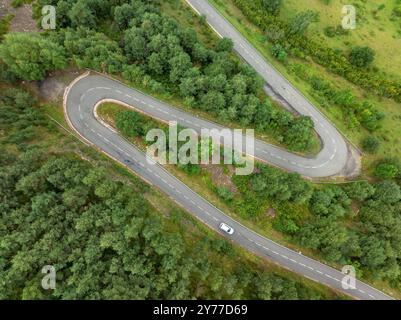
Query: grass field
[389, 135]
[376, 28]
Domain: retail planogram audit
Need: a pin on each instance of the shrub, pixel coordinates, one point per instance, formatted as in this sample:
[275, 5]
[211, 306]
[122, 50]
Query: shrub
[225, 193]
[272, 6]
[361, 57]
[386, 170]
[360, 190]
[370, 144]
[130, 123]
[397, 10]
[330, 31]
[278, 52]
[331, 201]
[4, 25]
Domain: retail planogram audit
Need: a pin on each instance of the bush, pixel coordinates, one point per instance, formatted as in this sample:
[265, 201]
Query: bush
[225, 45]
[330, 31]
[133, 73]
[335, 31]
[330, 202]
[397, 10]
[130, 123]
[387, 169]
[190, 169]
[361, 57]
[278, 52]
[272, 6]
[4, 25]
[225, 193]
[360, 190]
[370, 144]
[280, 186]
[387, 192]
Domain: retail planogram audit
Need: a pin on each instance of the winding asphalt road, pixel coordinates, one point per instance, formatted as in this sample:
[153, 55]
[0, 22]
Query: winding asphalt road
[334, 154]
[84, 95]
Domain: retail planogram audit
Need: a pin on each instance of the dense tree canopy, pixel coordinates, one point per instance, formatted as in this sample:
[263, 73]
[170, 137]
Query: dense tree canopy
[31, 57]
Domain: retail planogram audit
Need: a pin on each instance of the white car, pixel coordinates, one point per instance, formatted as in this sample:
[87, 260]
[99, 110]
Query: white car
[226, 228]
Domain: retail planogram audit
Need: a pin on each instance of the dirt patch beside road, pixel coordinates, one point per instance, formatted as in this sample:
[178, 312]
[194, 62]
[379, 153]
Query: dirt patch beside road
[52, 88]
[221, 177]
